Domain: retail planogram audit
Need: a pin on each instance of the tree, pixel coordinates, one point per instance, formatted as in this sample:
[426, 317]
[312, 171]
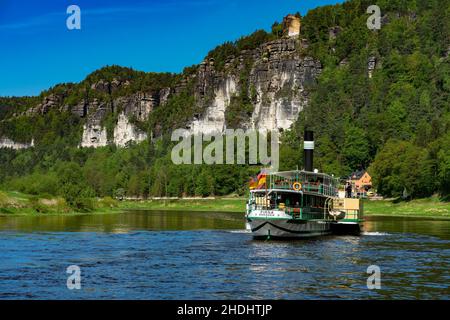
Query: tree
[73, 187]
[444, 166]
[401, 166]
[356, 148]
[327, 158]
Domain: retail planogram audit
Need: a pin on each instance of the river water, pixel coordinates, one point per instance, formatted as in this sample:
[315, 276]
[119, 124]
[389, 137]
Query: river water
[193, 255]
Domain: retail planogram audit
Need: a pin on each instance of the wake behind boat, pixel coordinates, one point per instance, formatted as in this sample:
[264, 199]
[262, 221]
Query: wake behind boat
[301, 204]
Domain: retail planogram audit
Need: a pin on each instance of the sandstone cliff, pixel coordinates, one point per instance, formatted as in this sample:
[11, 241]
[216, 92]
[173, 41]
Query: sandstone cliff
[273, 78]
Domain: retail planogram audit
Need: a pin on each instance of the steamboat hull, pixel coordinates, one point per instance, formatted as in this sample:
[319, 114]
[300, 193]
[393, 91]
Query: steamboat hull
[288, 228]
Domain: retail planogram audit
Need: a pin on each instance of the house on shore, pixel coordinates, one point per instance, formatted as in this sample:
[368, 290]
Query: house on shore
[361, 181]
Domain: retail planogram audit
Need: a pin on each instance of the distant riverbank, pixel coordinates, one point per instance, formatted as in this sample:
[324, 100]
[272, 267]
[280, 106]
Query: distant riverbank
[14, 203]
[20, 204]
[429, 207]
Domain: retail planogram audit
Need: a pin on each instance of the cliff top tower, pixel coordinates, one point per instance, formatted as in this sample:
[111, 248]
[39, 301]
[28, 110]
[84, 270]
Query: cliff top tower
[291, 25]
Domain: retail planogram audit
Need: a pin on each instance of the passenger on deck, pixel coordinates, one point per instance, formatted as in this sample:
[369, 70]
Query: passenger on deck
[348, 190]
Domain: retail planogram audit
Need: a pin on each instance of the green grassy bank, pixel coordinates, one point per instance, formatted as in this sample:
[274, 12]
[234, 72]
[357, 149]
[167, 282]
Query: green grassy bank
[429, 207]
[206, 204]
[16, 203]
[21, 204]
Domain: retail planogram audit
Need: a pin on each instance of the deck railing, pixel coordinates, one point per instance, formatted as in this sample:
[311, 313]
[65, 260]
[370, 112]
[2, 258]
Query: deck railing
[319, 184]
[316, 188]
[296, 213]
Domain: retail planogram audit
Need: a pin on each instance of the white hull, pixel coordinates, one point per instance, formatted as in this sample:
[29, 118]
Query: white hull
[276, 224]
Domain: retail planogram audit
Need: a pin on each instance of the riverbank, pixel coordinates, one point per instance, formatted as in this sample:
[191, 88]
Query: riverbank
[429, 207]
[20, 204]
[15, 203]
[206, 204]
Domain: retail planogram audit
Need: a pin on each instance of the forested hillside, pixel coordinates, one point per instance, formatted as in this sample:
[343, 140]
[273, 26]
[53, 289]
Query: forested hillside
[381, 102]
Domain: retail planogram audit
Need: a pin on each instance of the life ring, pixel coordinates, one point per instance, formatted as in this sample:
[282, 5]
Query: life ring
[297, 186]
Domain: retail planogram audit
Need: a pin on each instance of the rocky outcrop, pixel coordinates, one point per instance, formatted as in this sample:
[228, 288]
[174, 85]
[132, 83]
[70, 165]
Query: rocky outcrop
[279, 77]
[291, 25]
[273, 78]
[94, 135]
[109, 86]
[80, 109]
[213, 120]
[49, 102]
[138, 105]
[10, 144]
[125, 132]
[281, 93]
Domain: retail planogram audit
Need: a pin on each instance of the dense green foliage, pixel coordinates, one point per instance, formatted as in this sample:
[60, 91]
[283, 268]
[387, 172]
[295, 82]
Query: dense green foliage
[228, 50]
[395, 124]
[397, 120]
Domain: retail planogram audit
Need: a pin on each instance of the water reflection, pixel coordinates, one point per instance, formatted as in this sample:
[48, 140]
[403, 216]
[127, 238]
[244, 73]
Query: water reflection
[124, 222]
[179, 220]
[436, 227]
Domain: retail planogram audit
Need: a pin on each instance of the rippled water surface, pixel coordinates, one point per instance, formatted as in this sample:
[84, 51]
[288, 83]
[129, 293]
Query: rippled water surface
[177, 255]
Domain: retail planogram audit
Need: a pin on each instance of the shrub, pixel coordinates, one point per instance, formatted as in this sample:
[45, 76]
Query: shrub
[3, 200]
[83, 204]
[38, 206]
[108, 202]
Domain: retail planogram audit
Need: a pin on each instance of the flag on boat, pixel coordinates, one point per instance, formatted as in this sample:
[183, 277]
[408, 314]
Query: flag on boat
[262, 179]
[259, 182]
[253, 183]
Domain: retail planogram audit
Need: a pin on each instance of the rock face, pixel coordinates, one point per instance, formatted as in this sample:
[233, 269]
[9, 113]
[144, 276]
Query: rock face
[278, 76]
[273, 77]
[49, 102]
[280, 81]
[140, 104]
[10, 144]
[280, 94]
[213, 120]
[80, 109]
[291, 25]
[94, 135]
[125, 132]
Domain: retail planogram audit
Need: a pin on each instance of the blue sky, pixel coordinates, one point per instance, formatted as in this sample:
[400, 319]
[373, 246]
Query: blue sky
[37, 50]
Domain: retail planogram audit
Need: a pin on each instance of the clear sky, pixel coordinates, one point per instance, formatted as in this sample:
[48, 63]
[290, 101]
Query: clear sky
[37, 50]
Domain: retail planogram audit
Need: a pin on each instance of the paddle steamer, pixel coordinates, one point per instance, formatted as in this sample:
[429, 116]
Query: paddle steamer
[301, 203]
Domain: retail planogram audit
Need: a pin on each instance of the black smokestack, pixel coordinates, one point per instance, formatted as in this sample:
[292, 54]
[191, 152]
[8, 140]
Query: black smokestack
[308, 150]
